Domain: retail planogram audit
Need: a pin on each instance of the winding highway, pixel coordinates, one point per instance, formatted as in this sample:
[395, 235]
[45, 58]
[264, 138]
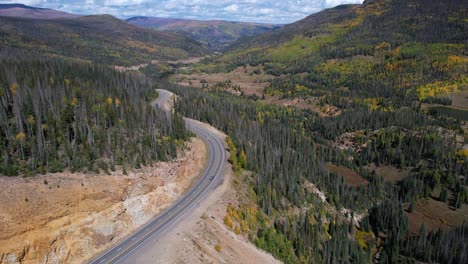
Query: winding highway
[189, 200]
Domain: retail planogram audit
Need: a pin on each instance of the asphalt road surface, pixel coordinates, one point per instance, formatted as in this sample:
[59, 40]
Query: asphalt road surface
[164, 96]
[188, 201]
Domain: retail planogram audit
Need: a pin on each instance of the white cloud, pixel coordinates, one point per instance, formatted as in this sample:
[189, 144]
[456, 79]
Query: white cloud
[333, 3]
[25, 2]
[123, 2]
[269, 11]
[231, 8]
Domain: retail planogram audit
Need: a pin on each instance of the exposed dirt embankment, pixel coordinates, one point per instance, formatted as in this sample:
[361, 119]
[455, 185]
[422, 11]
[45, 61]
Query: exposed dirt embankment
[68, 218]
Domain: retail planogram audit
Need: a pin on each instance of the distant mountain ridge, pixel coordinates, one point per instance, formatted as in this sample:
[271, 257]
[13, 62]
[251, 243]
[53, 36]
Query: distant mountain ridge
[24, 11]
[98, 38]
[217, 34]
[7, 6]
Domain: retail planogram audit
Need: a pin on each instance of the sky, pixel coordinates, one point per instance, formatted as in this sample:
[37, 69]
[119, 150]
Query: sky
[272, 11]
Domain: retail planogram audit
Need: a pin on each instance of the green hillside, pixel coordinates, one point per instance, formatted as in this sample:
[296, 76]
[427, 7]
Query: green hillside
[102, 38]
[315, 24]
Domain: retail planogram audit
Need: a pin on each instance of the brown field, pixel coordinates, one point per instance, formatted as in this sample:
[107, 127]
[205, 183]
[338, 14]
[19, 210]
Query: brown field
[296, 102]
[459, 99]
[389, 173]
[310, 103]
[435, 215]
[249, 82]
[351, 177]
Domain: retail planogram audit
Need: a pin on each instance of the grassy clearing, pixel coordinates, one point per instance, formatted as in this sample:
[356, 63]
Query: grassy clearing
[434, 215]
[302, 46]
[459, 99]
[351, 177]
[390, 173]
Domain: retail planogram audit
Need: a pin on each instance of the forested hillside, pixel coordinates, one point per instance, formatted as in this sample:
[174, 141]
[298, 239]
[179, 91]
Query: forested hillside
[380, 49]
[385, 159]
[216, 34]
[59, 115]
[287, 153]
[100, 38]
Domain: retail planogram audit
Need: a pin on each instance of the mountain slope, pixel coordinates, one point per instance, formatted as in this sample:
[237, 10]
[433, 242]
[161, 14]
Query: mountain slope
[345, 42]
[216, 34]
[24, 11]
[101, 38]
[373, 80]
[310, 26]
[377, 20]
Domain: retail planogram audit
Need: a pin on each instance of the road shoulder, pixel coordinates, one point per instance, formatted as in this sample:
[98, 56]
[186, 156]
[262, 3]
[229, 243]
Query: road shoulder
[201, 236]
